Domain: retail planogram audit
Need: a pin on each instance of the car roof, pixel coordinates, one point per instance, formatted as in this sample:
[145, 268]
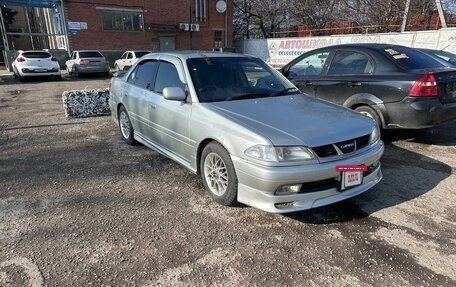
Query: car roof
[196, 54]
[27, 51]
[86, 51]
[371, 46]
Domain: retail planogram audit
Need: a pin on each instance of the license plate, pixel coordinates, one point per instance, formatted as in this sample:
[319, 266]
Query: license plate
[41, 70]
[351, 178]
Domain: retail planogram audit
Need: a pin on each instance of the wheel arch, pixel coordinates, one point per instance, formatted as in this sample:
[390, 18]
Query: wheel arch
[372, 101]
[200, 149]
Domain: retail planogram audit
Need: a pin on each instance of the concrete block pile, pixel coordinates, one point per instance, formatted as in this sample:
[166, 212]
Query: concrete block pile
[86, 103]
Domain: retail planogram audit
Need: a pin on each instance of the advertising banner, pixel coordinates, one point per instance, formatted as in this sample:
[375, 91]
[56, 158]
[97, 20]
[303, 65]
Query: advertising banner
[283, 50]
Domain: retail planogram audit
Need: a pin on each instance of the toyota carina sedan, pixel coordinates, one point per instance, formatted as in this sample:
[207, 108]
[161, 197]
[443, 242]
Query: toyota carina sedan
[252, 135]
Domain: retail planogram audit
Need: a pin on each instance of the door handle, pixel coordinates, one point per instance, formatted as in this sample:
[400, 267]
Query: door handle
[153, 106]
[308, 84]
[354, 84]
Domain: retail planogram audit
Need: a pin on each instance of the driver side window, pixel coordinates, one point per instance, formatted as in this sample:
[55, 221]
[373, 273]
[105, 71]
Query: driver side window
[167, 76]
[310, 65]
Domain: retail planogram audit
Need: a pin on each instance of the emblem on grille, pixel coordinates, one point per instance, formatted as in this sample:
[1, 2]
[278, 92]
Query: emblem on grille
[346, 146]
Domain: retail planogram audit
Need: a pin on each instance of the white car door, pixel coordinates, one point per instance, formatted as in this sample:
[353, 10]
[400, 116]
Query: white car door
[129, 60]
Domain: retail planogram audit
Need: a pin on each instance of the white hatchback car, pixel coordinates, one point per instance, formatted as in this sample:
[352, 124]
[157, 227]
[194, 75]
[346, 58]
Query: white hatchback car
[35, 63]
[128, 59]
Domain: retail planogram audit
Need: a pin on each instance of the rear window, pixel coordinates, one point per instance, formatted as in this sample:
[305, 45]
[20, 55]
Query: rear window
[36, 55]
[140, 54]
[411, 59]
[90, 55]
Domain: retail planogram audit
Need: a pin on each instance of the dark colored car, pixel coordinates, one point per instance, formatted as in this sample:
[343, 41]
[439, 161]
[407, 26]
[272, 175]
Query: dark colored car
[397, 86]
[448, 58]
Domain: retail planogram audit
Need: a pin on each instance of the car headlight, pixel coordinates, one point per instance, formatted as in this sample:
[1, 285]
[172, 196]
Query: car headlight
[375, 135]
[279, 154]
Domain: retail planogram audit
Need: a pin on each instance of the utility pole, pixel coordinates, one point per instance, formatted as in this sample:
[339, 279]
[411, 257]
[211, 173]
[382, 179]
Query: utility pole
[190, 28]
[406, 11]
[438, 3]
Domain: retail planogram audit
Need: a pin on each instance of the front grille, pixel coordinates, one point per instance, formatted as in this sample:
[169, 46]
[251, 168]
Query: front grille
[325, 150]
[362, 141]
[344, 146]
[319, 185]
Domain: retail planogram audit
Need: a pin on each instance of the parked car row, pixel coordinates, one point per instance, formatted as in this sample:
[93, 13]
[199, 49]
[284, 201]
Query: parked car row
[41, 63]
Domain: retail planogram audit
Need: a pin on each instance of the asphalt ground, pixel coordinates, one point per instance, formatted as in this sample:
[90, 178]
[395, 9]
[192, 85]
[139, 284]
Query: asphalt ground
[79, 207]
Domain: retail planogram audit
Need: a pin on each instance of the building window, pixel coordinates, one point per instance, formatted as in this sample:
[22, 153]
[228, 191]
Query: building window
[201, 10]
[116, 20]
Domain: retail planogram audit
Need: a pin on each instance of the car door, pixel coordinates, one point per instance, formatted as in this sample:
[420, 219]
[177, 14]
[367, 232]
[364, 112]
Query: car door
[171, 119]
[348, 74]
[136, 95]
[121, 61]
[129, 60]
[306, 70]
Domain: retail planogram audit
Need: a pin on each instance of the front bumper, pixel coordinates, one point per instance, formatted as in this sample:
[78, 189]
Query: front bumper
[415, 113]
[257, 184]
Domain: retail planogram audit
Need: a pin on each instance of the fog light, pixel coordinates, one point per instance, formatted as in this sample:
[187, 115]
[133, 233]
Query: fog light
[288, 189]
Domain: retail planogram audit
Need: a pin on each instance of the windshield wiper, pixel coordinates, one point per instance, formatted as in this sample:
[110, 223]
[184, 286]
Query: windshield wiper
[246, 96]
[282, 92]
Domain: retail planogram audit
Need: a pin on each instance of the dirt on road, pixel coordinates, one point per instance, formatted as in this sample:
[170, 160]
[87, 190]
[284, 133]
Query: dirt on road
[79, 207]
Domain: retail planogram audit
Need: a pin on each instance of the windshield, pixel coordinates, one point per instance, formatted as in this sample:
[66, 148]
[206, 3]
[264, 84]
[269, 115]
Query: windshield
[142, 53]
[235, 78]
[36, 55]
[90, 54]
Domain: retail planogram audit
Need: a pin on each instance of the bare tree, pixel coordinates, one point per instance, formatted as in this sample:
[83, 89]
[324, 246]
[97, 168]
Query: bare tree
[260, 19]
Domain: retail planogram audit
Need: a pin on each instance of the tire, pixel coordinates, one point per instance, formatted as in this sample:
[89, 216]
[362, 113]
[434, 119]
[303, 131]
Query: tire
[371, 113]
[218, 174]
[76, 72]
[126, 129]
[58, 78]
[21, 78]
[106, 74]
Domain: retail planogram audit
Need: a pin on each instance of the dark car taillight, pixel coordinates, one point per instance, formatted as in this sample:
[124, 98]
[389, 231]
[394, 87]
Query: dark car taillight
[20, 59]
[81, 62]
[426, 86]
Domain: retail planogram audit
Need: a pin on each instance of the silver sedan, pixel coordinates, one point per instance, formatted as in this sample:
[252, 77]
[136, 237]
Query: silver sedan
[252, 135]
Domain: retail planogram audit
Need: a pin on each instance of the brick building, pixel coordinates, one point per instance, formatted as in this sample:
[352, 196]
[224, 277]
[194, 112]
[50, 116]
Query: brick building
[157, 25]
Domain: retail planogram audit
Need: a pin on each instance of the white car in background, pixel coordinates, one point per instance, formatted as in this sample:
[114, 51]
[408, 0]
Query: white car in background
[87, 62]
[128, 59]
[35, 63]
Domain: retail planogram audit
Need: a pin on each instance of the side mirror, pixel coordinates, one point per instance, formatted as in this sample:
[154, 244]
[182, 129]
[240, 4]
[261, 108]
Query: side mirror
[119, 74]
[174, 94]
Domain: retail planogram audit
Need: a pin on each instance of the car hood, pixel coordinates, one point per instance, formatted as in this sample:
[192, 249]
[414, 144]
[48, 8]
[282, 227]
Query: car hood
[296, 119]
